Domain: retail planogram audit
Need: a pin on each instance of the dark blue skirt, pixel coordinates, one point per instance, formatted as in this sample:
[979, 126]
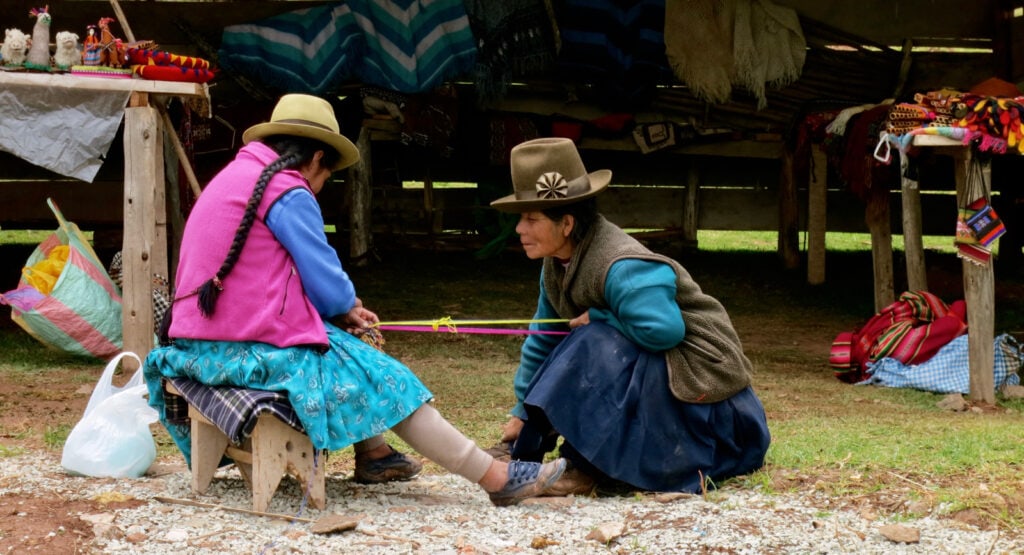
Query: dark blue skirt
[610, 401]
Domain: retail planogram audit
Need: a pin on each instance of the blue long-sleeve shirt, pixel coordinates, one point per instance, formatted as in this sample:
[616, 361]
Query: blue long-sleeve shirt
[296, 221]
[641, 298]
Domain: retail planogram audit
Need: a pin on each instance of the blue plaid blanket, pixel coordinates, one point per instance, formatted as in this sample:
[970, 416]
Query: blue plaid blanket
[234, 410]
[947, 371]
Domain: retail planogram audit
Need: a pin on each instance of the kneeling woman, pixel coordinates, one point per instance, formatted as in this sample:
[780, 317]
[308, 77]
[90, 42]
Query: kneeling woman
[651, 387]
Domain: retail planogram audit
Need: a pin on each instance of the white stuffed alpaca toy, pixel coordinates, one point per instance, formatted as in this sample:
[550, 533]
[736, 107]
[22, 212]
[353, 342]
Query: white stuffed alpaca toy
[15, 45]
[67, 53]
[39, 48]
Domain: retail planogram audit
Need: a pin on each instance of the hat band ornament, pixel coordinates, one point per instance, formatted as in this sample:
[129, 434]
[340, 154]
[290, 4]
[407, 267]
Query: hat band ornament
[553, 186]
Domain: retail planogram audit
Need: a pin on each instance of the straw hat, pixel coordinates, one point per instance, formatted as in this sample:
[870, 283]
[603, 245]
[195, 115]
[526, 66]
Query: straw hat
[549, 172]
[303, 115]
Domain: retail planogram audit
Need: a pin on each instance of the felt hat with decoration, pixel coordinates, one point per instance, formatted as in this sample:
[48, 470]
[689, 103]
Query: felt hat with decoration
[303, 115]
[549, 172]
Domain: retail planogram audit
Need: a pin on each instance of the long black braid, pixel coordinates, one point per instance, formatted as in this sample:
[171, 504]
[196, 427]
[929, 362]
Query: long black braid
[294, 152]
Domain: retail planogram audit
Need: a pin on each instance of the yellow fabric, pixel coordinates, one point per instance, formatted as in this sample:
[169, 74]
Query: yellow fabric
[43, 274]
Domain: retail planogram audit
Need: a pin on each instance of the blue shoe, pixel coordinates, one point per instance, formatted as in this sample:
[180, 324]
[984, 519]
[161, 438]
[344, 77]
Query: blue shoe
[396, 467]
[527, 479]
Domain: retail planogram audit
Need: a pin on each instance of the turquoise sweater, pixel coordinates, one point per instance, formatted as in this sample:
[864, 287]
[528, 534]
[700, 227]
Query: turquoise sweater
[641, 295]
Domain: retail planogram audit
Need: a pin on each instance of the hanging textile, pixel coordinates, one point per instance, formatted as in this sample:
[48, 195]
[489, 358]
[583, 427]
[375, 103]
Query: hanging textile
[309, 50]
[514, 38]
[616, 45]
[408, 46]
[414, 45]
[751, 44]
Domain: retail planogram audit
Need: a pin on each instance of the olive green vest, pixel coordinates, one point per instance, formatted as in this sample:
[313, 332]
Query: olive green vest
[708, 366]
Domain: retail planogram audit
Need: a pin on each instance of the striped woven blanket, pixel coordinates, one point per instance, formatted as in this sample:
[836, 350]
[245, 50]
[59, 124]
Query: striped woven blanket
[408, 46]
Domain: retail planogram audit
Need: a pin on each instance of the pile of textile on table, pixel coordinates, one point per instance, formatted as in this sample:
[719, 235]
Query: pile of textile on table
[989, 116]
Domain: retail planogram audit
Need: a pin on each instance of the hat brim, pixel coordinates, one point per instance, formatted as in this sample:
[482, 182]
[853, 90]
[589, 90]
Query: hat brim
[599, 181]
[348, 151]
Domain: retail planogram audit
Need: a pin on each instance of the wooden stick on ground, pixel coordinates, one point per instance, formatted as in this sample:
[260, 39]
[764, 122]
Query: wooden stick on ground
[190, 503]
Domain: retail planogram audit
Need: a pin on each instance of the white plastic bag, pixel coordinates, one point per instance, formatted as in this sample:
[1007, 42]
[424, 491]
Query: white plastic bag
[113, 439]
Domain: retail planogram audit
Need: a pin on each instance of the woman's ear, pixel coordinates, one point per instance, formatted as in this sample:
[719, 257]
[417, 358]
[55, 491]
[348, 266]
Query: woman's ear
[568, 224]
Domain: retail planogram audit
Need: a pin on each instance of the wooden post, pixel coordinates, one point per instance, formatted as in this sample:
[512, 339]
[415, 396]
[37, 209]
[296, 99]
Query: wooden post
[877, 218]
[789, 223]
[691, 208]
[817, 210]
[433, 209]
[145, 224]
[360, 179]
[979, 292]
[913, 244]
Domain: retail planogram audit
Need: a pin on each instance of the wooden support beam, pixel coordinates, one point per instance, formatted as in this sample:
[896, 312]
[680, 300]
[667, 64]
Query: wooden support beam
[817, 227]
[145, 225]
[979, 292]
[691, 205]
[913, 243]
[876, 216]
[360, 179]
[789, 214]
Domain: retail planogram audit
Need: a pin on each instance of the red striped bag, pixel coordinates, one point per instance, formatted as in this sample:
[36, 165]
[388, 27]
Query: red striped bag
[81, 314]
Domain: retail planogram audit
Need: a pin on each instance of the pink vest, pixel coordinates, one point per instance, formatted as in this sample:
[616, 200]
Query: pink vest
[262, 298]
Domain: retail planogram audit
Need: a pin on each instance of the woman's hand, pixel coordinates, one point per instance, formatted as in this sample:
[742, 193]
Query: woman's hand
[581, 320]
[510, 430]
[359, 318]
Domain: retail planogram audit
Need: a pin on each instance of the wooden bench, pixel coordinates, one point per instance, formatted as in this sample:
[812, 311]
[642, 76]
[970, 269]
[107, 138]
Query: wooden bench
[273, 450]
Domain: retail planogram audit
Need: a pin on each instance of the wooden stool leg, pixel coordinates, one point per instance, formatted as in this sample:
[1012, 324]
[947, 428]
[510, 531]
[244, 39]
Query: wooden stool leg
[208, 444]
[278, 449]
[309, 472]
[268, 460]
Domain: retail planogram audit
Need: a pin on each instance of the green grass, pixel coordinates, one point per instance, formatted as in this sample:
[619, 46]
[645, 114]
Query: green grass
[23, 236]
[835, 242]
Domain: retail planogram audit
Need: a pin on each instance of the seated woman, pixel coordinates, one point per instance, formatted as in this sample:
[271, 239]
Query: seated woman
[262, 300]
[651, 387]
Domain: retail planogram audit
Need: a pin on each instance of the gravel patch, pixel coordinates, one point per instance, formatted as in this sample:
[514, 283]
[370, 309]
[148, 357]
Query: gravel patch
[442, 514]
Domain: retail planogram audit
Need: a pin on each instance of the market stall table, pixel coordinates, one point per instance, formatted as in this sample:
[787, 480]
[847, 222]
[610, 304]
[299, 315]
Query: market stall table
[144, 248]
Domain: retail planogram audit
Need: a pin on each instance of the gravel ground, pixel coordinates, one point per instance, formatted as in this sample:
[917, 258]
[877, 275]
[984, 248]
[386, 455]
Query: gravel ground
[442, 514]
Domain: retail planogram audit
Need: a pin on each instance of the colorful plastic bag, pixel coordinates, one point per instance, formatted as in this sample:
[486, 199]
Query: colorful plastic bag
[113, 439]
[81, 314]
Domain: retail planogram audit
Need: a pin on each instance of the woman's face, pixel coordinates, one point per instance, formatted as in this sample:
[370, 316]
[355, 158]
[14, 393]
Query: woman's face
[542, 237]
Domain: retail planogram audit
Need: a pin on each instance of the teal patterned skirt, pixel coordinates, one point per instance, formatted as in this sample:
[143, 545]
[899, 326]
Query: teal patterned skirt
[343, 395]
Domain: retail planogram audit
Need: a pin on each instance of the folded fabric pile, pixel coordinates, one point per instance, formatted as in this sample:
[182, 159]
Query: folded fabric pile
[910, 330]
[160, 65]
